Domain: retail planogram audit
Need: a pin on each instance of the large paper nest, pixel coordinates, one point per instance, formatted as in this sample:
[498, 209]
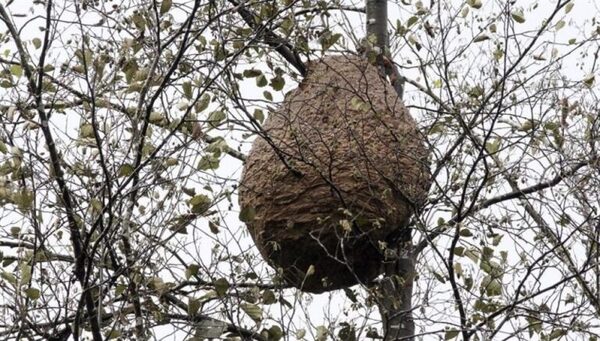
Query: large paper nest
[339, 170]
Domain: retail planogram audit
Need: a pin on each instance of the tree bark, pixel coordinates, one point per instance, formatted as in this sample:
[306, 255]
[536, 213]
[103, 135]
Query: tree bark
[377, 40]
[395, 290]
[377, 24]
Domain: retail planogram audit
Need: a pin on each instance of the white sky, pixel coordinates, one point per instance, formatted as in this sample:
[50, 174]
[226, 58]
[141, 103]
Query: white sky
[321, 306]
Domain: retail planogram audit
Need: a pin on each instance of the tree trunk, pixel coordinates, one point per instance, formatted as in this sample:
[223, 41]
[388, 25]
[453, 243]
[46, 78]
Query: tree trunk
[377, 24]
[377, 40]
[395, 290]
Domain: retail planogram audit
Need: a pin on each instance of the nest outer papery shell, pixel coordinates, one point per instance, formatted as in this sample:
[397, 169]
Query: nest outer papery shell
[340, 168]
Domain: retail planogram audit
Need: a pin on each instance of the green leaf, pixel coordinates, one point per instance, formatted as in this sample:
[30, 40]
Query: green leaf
[535, 325]
[268, 95]
[16, 70]
[527, 125]
[191, 270]
[472, 255]
[25, 269]
[347, 333]
[259, 115]
[468, 283]
[322, 333]
[187, 90]
[126, 170]
[3, 148]
[439, 277]
[86, 131]
[157, 284]
[207, 329]
[493, 146]
[182, 105]
[485, 266]
[32, 293]
[589, 80]
[214, 227]
[7, 262]
[202, 104]
[459, 251]
[268, 297]
[139, 21]
[6, 84]
[10, 278]
[487, 253]
[200, 203]
[251, 73]
[193, 306]
[475, 3]
[451, 334]
[356, 103]
[518, 16]
[165, 6]
[480, 38]
[217, 147]
[247, 214]
[556, 333]
[476, 91]
[485, 306]
[287, 25]
[414, 41]
[216, 117]
[496, 239]
[23, 199]
[15, 231]
[113, 334]
[411, 21]
[275, 333]
[277, 83]
[37, 43]
[328, 40]
[491, 286]
[120, 289]
[208, 162]
[189, 191]
[253, 311]
[569, 299]
[221, 286]
[261, 81]
[569, 7]
[466, 233]
[170, 162]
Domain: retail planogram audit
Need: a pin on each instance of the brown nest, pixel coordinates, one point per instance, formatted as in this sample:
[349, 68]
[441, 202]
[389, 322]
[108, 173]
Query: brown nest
[340, 169]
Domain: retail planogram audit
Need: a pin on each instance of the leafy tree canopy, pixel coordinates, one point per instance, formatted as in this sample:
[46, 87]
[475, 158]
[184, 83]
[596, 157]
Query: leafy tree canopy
[124, 126]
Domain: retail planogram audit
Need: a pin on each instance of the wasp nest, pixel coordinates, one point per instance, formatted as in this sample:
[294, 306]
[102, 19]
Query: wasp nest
[339, 170]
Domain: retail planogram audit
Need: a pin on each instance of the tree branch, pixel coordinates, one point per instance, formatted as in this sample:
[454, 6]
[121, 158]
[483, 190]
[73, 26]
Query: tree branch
[284, 48]
[36, 91]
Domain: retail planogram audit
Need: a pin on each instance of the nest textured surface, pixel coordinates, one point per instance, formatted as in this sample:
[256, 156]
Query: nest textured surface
[340, 169]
